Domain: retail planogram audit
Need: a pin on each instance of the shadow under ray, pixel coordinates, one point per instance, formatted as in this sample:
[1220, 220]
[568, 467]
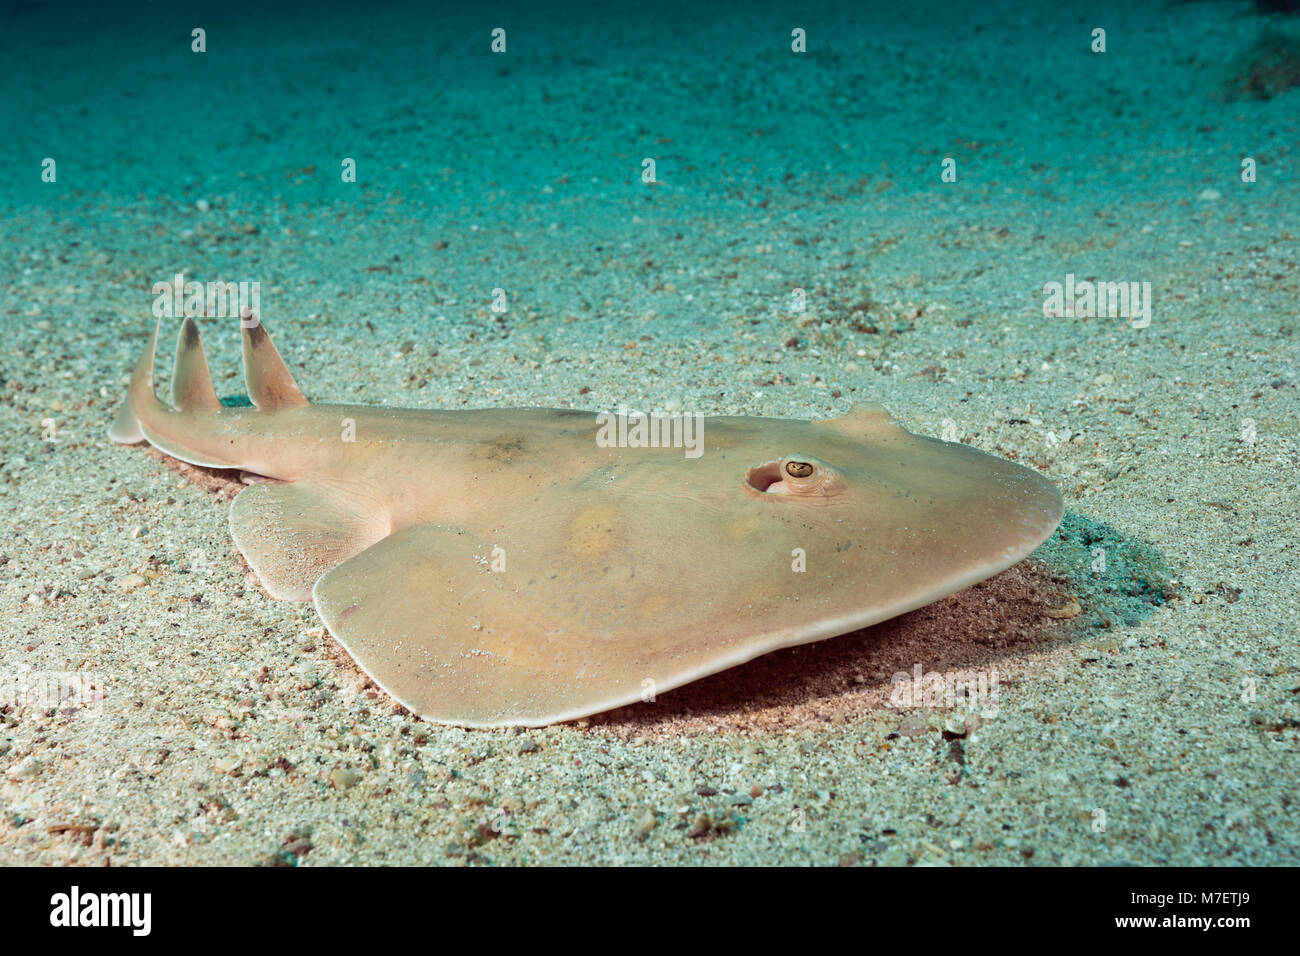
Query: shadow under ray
[999, 624]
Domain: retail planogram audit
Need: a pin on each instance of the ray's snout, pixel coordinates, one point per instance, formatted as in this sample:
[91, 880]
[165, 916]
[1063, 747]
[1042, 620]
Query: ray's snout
[981, 511]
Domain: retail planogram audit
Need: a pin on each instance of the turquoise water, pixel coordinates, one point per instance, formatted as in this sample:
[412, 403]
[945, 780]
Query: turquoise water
[522, 170]
[1011, 90]
[534, 157]
[582, 90]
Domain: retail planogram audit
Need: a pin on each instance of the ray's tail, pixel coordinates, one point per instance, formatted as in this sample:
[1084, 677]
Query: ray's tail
[144, 417]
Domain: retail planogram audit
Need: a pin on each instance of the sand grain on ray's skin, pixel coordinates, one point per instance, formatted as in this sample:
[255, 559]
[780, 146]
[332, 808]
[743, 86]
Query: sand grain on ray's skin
[557, 576]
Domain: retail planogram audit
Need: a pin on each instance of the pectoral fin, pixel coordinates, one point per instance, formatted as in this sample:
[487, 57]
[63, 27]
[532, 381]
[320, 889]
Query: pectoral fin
[429, 619]
[291, 534]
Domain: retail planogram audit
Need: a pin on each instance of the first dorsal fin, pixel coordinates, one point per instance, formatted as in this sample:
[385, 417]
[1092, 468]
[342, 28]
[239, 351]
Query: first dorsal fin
[191, 381]
[269, 383]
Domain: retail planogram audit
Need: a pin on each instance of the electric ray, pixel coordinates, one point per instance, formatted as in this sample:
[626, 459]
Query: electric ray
[504, 567]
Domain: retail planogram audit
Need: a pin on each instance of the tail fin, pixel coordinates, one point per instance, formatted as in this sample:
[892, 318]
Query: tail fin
[126, 426]
[270, 385]
[125, 429]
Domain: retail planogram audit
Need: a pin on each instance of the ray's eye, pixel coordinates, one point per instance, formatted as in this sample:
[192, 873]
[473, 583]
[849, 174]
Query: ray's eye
[798, 477]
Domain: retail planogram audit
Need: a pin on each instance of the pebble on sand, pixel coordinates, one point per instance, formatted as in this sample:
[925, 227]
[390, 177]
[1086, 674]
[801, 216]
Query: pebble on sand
[1069, 609]
[914, 725]
[700, 827]
[341, 778]
[644, 825]
[24, 768]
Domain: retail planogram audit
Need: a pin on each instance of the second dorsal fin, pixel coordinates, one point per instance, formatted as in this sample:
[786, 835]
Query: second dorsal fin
[270, 385]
